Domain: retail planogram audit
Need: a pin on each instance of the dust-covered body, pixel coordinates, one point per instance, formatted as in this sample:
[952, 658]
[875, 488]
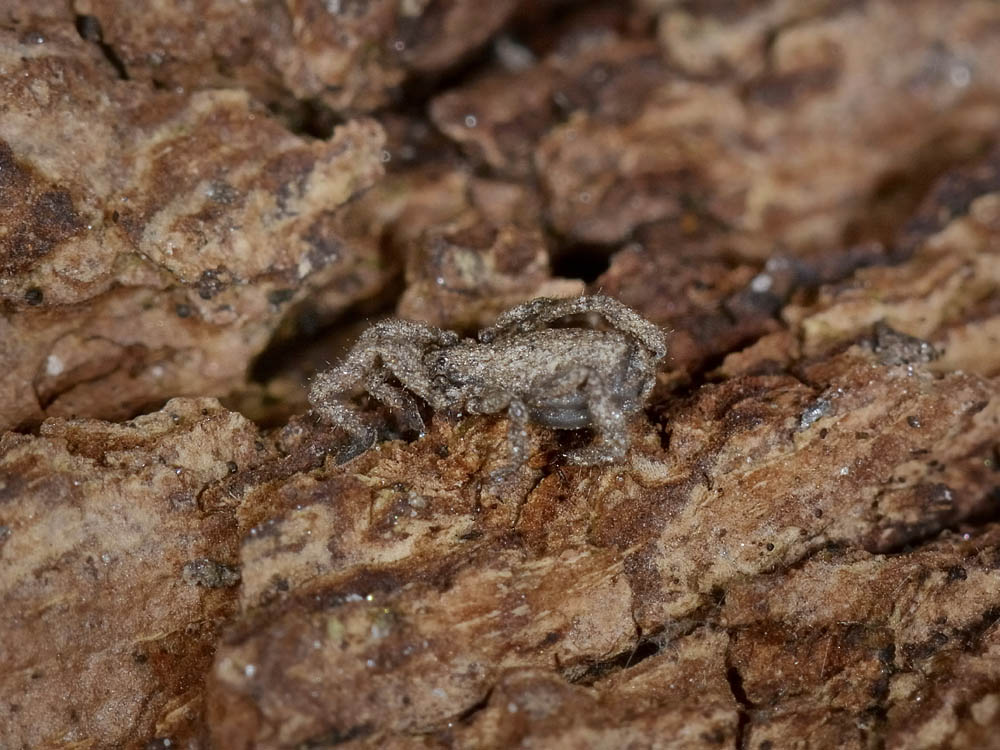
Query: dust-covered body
[566, 378]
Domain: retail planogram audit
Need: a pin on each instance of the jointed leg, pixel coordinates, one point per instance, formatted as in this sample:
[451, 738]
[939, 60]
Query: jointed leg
[395, 344]
[402, 345]
[608, 420]
[518, 439]
[401, 402]
[517, 432]
[327, 397]
[538, 313]
[528, 316]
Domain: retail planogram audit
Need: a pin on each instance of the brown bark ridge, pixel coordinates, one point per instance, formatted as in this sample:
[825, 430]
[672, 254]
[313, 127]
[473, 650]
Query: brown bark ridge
[801, 547]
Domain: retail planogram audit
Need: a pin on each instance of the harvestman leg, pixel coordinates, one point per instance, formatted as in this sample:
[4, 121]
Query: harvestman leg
[611, 440]
[326, 397]
[609, 423]
[382, 349]
[518, 439]
[401, 402]
[538, 313]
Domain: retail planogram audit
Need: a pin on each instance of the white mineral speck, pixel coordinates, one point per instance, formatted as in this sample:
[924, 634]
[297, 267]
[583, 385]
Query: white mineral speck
[470, 121]
[761, 283]
[250, 670]
[843, 471]
[512, 55]
[960, 76]
[53, 366]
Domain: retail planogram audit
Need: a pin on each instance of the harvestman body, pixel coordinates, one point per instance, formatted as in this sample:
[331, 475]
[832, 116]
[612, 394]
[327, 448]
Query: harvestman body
[566, 378]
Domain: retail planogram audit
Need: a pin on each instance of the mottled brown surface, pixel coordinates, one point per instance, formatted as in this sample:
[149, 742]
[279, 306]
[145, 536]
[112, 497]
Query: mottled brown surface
[779, 122]
[463, 274]
[909, 657]
[158, 254]
[350, 55]
[801, 548]
[947, 292]
[395, 591]
[108, 604]
[805, 490]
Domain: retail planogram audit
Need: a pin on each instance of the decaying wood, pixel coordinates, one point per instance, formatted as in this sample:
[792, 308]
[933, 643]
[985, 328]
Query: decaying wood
[802, 545]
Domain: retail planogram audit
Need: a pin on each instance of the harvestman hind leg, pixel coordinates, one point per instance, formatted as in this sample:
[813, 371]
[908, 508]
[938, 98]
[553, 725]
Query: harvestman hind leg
[609, 422]
[538, 313]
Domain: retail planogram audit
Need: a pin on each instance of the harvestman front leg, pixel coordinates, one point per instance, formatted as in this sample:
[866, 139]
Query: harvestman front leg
[401, 402]
[518, 439]
[380, 350]
[326, 396]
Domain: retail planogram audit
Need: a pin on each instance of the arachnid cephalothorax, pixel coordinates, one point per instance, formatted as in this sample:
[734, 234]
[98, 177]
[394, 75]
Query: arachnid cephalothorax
[567, 378]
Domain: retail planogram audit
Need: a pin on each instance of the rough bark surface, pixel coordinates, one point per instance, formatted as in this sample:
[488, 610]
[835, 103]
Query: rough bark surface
[152, 240]
[801, 548]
